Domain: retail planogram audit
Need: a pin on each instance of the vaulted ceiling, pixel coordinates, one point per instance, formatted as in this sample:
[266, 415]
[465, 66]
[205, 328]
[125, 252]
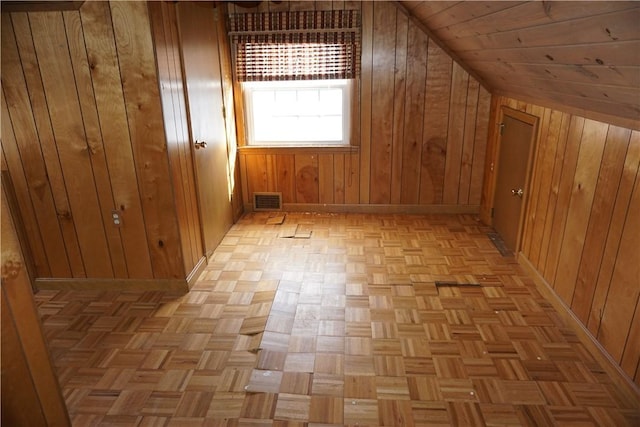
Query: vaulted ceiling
[582, 55]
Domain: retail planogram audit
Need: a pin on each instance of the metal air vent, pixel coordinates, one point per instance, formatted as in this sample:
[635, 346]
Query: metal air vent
[267, 201]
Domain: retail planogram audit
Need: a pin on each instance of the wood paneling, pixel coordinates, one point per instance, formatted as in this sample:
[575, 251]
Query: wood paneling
[104, 86]
[421, 128]
[382, 101]
[146, 126]
[84, 136]
[165, 34]
[73, 150]
[25, 159]
[231, 121]
[582, 223]
[579, 54]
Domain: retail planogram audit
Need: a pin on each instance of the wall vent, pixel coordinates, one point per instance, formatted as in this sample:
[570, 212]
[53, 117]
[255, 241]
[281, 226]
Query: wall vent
[267, 201]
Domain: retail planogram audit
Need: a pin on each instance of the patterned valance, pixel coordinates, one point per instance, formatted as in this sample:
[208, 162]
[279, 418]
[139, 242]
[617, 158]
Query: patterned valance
[298, 45]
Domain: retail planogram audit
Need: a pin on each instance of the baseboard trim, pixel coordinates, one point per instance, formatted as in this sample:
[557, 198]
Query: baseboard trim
[377, 209]
[608, 363]
[193, 277]
[178, 285]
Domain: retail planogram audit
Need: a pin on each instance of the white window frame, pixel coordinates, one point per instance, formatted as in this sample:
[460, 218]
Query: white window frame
[248, 88]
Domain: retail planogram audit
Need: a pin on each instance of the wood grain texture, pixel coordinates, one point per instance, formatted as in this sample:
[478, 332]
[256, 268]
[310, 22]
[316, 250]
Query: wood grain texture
[583, 223]
[357, 343]
[404, 129]
[100, 166]
[455, 134]
[400, 100]
[365, 109]
[142, 100]
[382, 101]
[417, 57]
[165, 32]
[326, 174]
[583, 189]
[560, 53]
[613, 158]
[200, 53]
[110, 107]
[622, 299]
[84, 137]
[20, 188]
[541, 181]
[231, 121]
[620, 209]
[28, 372]
[37, 95]
[466, 163]
[26, 159]
[436, 124]
[480, 146]
[307, 185]
[18, 393]
[74, 154]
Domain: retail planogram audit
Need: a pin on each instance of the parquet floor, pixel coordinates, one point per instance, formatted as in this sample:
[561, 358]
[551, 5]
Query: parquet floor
[341, 325]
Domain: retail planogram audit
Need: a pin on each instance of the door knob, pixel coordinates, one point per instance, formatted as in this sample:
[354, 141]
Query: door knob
[200, 144]
[517, 192]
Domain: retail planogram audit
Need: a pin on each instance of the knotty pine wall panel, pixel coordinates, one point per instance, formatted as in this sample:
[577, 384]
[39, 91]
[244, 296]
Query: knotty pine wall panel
[420, 121]
[146, 126]
[83, 135]
[548, 53]
[165, 33]
[582, 223]
[60, 88]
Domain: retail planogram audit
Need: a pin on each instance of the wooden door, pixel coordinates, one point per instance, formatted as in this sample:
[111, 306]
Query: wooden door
[516, 141]
[202, 75]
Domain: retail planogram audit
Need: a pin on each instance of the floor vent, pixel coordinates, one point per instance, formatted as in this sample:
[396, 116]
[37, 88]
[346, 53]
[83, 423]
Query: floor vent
[267, 201]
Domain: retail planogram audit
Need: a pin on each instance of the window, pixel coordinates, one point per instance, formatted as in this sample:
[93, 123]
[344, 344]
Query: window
[295, 70]
[297, 112]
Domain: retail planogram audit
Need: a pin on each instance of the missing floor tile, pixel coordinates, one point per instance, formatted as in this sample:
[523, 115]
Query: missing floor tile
[296, 232]
[276, 220]
[445, 284]
[288, 231]
[456, 284]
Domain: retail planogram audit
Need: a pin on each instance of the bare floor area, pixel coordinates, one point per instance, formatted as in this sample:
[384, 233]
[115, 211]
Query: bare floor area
[332, 319]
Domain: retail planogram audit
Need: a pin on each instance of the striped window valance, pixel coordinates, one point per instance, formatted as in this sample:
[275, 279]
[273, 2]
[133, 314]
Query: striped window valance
[298, 45]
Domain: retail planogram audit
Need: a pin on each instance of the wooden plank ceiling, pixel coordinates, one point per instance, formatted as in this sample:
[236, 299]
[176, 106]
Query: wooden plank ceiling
[582, 55]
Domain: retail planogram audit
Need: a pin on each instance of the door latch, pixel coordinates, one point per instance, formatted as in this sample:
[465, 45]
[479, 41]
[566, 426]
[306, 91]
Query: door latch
[517, 192]
[200, 144]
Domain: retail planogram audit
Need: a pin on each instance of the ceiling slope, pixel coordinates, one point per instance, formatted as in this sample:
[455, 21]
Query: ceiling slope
[584, 56]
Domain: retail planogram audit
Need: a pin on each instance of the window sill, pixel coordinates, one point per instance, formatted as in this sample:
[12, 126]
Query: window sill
[269, 149]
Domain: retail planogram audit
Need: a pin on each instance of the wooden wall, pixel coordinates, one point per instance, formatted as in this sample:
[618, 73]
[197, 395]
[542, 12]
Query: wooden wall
[83, 134]
[420, 127]
[165, 33]
[31, 394]
[582, 223]
[582, 57]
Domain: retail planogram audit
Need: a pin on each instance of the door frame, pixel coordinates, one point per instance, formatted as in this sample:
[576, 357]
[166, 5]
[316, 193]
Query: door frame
[534, 122]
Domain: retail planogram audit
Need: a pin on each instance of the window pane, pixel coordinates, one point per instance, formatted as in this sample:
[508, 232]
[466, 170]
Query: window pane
[292, 112]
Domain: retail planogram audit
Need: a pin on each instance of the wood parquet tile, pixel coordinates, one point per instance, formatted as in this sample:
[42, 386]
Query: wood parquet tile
[339, 323]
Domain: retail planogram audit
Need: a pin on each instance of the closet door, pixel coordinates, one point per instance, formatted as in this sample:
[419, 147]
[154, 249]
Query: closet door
[202, 75]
